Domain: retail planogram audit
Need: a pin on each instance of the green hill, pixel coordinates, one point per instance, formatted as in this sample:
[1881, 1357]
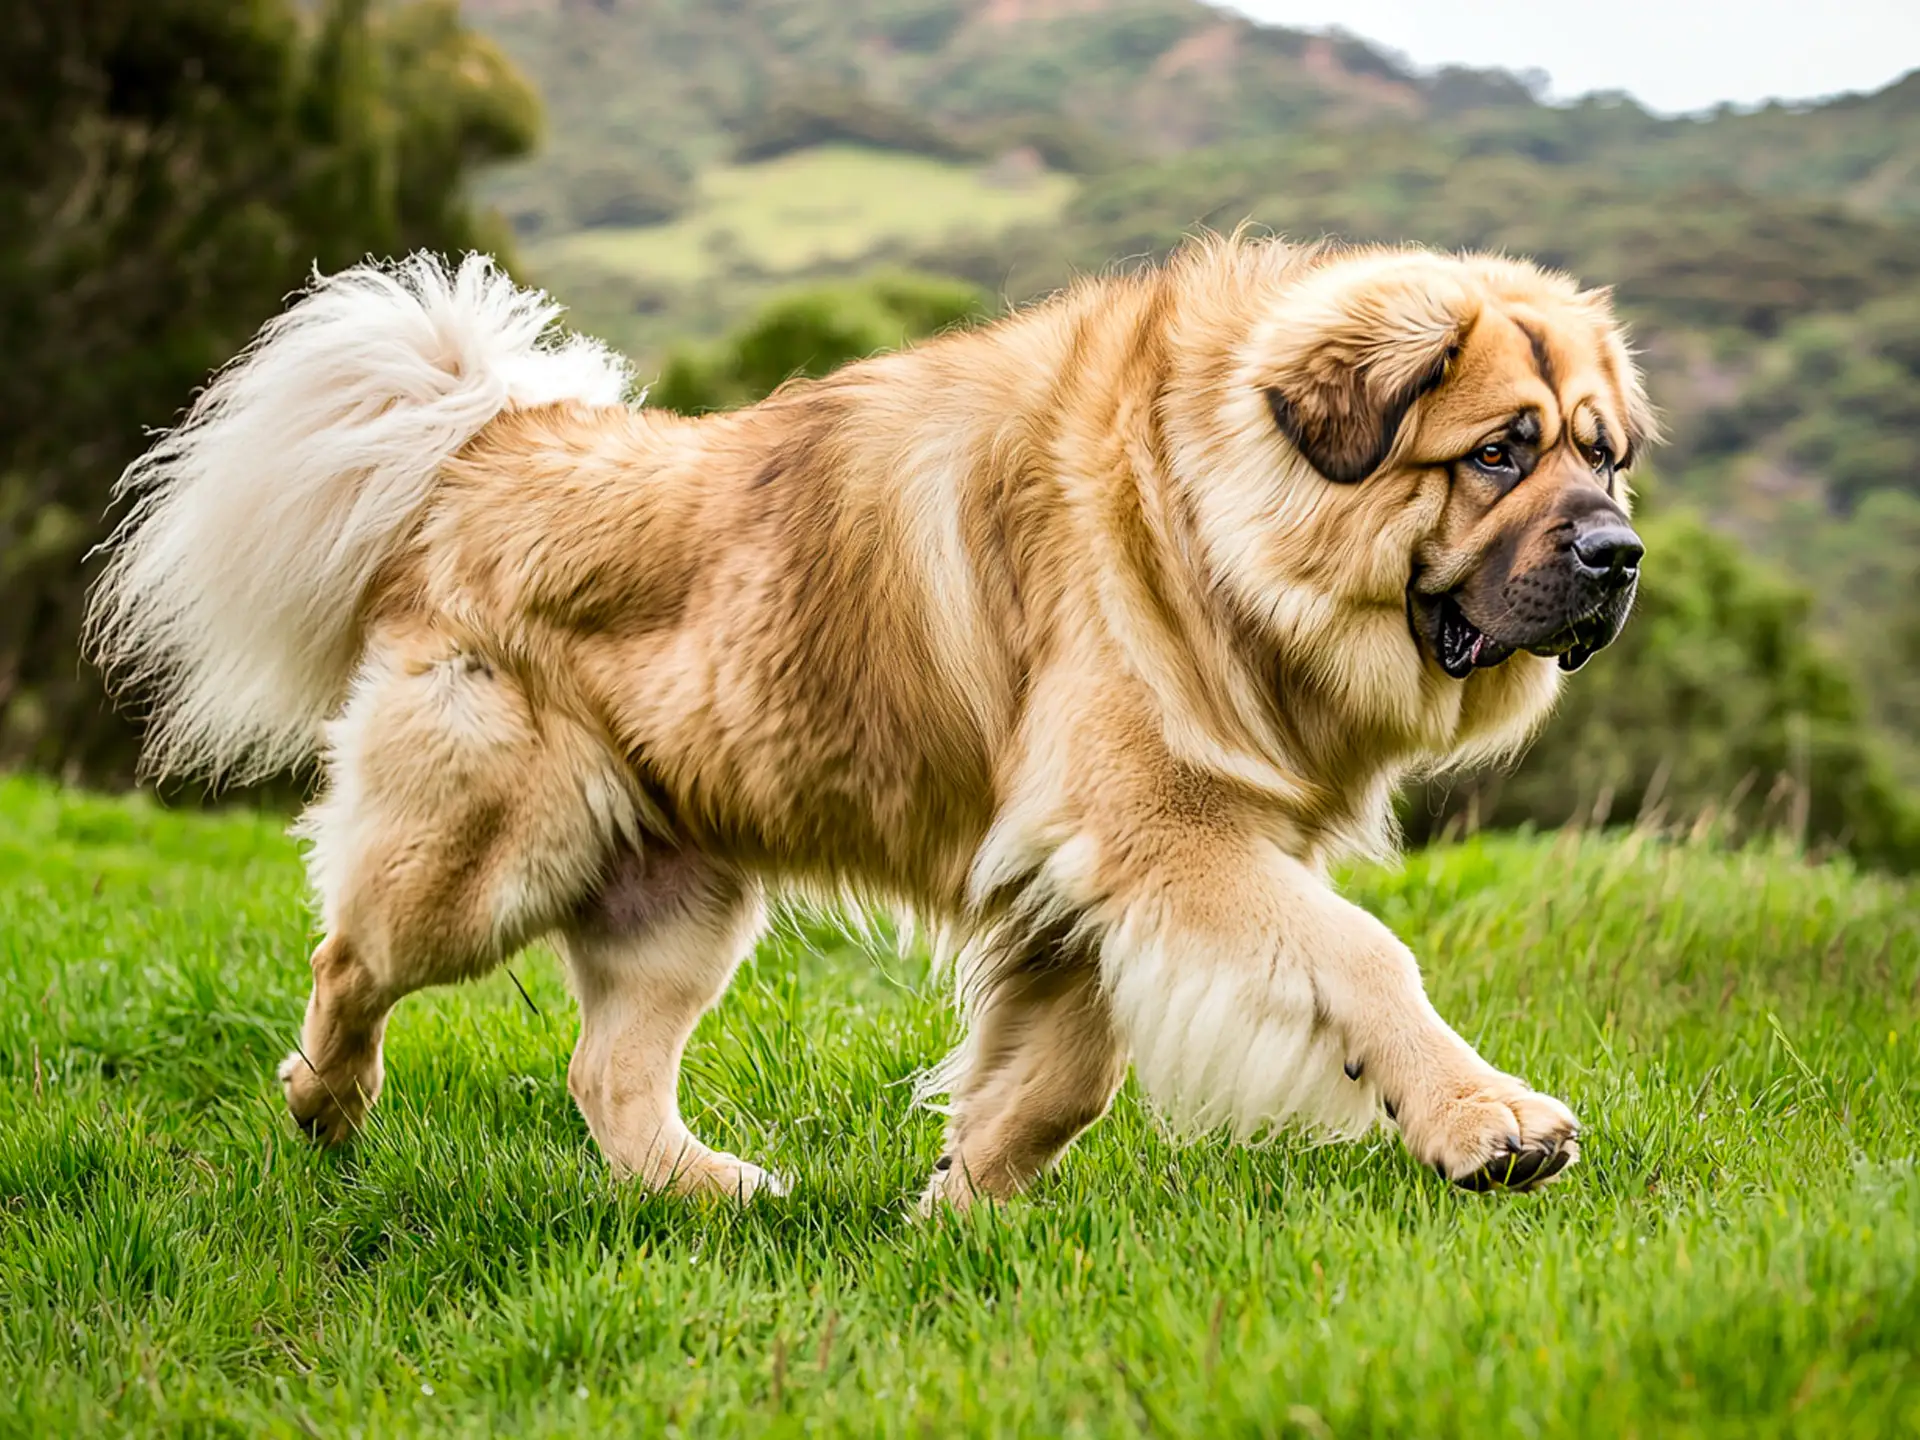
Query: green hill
[815, 208]
[677, 84]
[1770, 260]
[684, 81]
[748, 231]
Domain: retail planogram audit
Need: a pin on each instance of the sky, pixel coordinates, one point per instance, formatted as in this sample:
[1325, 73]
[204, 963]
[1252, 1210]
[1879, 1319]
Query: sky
[1673, 56]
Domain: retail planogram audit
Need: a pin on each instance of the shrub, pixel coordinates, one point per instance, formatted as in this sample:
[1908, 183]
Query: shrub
[810, 333]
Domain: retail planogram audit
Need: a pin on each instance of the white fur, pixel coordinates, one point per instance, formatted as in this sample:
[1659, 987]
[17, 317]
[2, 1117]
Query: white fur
[231, 593]
[1224, 1034]
[1221, 1043]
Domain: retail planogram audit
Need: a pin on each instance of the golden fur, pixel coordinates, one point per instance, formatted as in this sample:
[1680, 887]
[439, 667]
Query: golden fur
[1092, 636]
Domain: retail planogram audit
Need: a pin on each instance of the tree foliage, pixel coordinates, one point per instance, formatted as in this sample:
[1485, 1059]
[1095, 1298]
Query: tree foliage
[810, 333]
[169, 171]
[1839, 396]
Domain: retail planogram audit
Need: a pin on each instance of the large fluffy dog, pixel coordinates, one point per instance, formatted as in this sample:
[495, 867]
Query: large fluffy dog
[1090, 636]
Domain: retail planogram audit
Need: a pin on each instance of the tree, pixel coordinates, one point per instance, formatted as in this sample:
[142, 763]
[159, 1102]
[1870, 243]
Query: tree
[169, 171]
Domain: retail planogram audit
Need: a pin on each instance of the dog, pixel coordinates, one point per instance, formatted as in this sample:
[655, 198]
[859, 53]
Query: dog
[1090, 637]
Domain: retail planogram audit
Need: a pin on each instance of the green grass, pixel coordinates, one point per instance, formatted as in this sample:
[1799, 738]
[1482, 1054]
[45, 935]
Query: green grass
[1739, 1252]
[821, 206]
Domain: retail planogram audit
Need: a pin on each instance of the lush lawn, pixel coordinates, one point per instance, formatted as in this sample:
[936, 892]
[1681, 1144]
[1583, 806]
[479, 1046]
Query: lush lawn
[1739, 1251]
[813, 207]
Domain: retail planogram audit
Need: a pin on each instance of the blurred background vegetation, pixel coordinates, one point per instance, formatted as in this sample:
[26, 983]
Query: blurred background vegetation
[741, 190]
[169, 171]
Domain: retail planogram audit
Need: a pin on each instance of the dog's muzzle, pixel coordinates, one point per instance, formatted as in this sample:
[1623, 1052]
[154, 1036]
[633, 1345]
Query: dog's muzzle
[1570, 608]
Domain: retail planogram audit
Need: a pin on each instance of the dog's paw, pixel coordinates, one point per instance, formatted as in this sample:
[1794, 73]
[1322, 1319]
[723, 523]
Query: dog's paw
[716, 1175]
[1494, 1134]
[328, 1109]
[947, 1189]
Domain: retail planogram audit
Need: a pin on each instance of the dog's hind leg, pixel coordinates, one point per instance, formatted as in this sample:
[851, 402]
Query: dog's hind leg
[649, 955]
[457, 824]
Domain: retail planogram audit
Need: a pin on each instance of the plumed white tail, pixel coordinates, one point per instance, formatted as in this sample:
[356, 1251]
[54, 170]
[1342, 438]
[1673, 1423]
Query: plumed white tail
[232, 593]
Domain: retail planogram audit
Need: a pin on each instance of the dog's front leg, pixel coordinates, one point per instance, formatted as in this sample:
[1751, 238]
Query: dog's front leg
[1252, 994]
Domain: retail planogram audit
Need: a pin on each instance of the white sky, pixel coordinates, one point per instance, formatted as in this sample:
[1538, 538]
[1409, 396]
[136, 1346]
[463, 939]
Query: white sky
[1671, 55]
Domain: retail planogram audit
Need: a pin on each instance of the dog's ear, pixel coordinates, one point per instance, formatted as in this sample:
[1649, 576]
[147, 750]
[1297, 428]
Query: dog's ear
[1347, 359]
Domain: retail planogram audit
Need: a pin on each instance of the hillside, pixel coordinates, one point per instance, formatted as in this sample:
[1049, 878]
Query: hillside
[670, 87]
[678, 84]
[1735, 1253]
[647, 101]
[1769, 260]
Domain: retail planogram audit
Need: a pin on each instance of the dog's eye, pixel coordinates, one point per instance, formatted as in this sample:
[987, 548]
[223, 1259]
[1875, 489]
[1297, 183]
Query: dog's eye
[1600, 457]
[1493, 457]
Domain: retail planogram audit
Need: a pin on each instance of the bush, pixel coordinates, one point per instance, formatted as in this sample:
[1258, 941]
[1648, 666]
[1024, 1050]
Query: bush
[1854, 383]
[1063, 146]
[811, 333]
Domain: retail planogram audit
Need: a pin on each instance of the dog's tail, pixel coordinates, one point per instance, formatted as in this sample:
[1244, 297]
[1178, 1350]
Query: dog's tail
[232, 595]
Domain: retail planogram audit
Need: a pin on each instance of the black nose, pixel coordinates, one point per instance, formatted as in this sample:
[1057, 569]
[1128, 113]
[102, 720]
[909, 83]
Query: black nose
[1611, 551]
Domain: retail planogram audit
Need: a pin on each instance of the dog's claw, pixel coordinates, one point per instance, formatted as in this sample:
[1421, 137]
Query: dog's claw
[1521, 1169]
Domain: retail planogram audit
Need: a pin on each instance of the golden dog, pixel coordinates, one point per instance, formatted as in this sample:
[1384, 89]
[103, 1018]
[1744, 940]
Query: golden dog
[1090, 636]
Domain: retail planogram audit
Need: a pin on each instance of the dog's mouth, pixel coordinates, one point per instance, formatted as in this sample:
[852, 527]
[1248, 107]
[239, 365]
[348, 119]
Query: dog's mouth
[1457, 645]
[1460, 647]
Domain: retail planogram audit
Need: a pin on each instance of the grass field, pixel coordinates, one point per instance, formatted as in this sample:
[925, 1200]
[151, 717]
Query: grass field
[817, 206]
[1738, 1253]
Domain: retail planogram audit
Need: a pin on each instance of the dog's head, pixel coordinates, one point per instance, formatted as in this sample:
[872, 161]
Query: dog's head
[1429, 454]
